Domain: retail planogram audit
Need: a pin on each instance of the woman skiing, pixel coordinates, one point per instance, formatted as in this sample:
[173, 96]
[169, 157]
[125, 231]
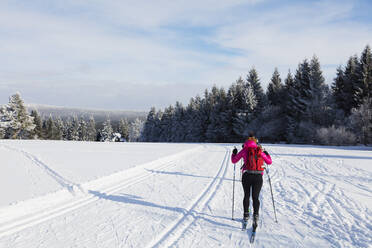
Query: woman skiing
[252, 171]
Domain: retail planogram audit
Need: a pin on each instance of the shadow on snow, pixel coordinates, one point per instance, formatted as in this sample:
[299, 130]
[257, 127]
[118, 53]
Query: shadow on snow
[135, 200]
[322, 156]
[176, 173]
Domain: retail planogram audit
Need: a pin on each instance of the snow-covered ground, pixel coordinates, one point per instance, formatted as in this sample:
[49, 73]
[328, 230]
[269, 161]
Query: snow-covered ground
[83, 194]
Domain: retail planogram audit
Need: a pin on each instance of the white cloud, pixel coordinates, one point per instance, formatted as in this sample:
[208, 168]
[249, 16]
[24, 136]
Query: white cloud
[110, 46]
[285, 36]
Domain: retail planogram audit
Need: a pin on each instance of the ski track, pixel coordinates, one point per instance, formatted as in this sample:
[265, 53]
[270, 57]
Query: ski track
[310, 192]
[317, 206]
[65, 183]
[321, 203]
[175, 230]
[82, 199]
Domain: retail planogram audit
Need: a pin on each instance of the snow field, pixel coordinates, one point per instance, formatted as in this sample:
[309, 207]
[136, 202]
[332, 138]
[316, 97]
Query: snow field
[183, 197]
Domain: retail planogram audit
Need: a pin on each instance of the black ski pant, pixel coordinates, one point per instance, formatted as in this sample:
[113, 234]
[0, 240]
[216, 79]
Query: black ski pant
[251, 182]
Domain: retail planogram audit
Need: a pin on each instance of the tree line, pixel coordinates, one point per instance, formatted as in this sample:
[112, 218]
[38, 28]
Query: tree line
[300, 109]
[17, 123]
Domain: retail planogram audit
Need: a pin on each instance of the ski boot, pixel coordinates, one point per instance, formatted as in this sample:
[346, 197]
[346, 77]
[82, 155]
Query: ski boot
[255, 221]
[245, 220]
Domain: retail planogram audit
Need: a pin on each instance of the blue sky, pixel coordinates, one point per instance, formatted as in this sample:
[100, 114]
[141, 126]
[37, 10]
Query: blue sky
[137, 54]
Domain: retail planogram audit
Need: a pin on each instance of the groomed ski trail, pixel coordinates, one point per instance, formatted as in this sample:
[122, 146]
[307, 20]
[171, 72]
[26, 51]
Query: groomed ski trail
[87, 193]
[170, 235]
[321, 200]
[313, 206]
[65, 183]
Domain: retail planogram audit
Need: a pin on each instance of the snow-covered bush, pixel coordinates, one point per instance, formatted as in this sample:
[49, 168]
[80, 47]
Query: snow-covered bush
[335, 136]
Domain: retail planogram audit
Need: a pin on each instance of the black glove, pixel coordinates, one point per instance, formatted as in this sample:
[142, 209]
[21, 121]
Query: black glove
[235, 151]
[243, 146]
[266, 153]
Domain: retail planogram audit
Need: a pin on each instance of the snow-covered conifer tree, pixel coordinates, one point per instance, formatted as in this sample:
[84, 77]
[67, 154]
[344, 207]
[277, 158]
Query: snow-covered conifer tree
[135, 130]
[149, 125]
[291, 106]
[83, 130]
[92, 132]
[275, 89]
[75, 128]
[178, 124]
[366, 70]
[59, 128]
[194, 119]
[51, 130]
[67, 129]
[124, 128]
[254, 82]
[338, 90]
[244, 103]
[38, 131]
[15, 121]
[319, 91]
[220, 118]
[107, 131]
[353, 84]
[166, 124]
[361, 122]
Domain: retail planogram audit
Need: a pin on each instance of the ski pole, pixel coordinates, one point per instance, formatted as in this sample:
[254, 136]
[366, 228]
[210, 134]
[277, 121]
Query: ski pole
[232, 217]
[272, 196]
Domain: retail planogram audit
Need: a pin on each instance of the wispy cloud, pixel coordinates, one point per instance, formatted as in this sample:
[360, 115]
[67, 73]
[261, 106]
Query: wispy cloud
[135, 54]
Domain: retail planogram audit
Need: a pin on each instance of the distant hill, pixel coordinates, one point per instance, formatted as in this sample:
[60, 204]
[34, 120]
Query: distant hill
[99, 115]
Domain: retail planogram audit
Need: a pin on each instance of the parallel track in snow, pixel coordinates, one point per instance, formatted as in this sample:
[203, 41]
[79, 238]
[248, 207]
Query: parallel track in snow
[176, 229]
[82, 199]
[65, 183]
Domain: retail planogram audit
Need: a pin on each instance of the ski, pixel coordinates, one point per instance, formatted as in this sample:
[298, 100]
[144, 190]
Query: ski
[244, 225]
[253, 235]
[254, 227]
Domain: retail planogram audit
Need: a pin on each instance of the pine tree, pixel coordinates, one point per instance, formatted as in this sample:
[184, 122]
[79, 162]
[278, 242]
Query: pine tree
[353, 84]
[244, 104]
[67, 129]
[51, 130]
[194, 120]
[92, 132]
[157, 128]
[339, 90]
[178, 125]
[59, 128]
[149, 126]
[317, 109]
[74, 129]
[124, 128]
[83, 130]
[254, 82]
[291, 107]
[366, 71]
[135, 130]
[361, 122]
[275, 89]
[15, 120]
[166, 124]
[107, 131]
[217, 130]
[38, 124]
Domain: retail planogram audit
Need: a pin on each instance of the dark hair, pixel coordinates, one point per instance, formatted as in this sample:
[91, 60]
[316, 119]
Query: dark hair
[251, 134]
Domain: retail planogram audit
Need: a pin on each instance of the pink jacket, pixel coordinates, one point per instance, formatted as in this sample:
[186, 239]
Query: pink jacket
[244, 154]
